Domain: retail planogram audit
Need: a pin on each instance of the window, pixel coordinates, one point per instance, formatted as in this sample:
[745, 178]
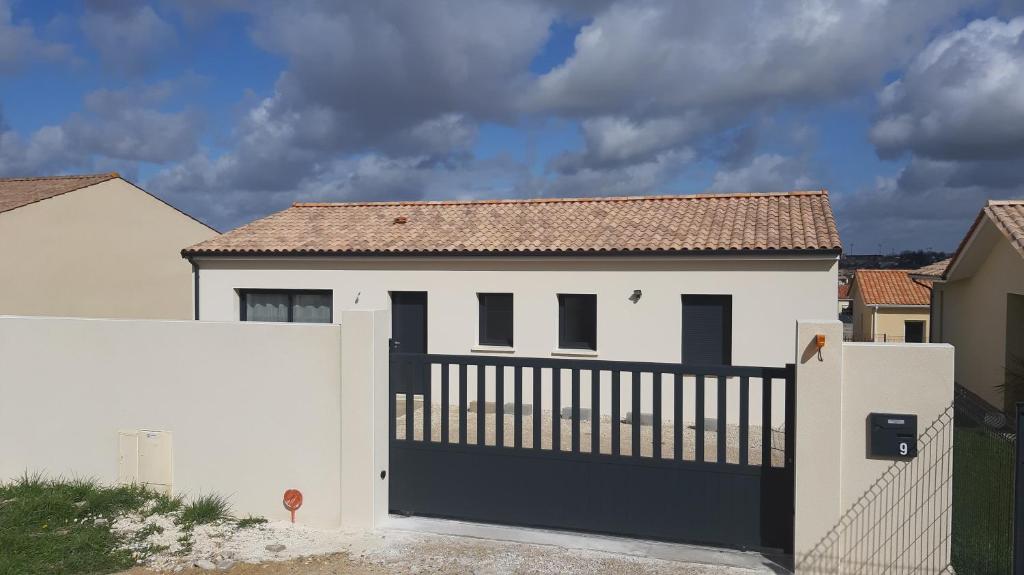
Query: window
[305, 306]
[577, 321]
[913, 331]
[495, 319]
[707, 329]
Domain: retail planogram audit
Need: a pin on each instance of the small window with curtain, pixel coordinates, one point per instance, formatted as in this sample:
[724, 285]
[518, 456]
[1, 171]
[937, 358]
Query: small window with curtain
[577, 321]
[495, 319]
[296, 306]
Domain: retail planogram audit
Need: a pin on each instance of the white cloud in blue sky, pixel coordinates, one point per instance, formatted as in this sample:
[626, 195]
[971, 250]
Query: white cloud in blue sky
[909, 112]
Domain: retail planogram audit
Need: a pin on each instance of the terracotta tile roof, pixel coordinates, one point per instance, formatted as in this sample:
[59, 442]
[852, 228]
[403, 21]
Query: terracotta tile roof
[934, 270]
[844, 291]
[1008, 217]
[18, 192]
[799, 221]
[891, 287]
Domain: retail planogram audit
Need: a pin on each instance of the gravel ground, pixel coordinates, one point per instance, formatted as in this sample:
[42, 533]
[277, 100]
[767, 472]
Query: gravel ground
[625, 433]
[405, 552]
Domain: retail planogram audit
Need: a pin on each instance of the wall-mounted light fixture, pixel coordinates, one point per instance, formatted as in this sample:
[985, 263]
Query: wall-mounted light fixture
[635, 297]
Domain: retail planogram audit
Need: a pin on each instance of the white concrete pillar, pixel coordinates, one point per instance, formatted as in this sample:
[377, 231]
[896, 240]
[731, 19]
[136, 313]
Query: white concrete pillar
[364, 418]
[819, 414]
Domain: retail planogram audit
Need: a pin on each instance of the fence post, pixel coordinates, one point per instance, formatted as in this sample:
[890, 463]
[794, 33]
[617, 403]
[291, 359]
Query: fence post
[364, 418]
[1018, 497]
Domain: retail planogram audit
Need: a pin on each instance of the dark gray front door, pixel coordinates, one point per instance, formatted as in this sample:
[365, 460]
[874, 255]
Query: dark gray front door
[409, 321]
[707, 329]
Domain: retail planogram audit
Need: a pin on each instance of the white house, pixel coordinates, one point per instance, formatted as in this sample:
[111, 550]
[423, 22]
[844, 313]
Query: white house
[704, 279]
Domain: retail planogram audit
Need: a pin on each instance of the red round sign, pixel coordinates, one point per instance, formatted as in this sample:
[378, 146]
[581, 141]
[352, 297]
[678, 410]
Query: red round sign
[292, 501]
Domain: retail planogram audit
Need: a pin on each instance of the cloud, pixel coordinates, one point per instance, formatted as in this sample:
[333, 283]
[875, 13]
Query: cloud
[957, 113]
[765, 173]
[129, 36]
[118, 128]
[960, 98]
[20, 46]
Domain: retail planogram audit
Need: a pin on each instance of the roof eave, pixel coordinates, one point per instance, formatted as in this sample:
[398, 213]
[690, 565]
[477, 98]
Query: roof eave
[195, 253]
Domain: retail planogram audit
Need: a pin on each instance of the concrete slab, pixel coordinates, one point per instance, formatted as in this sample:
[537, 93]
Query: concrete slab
[677, 552]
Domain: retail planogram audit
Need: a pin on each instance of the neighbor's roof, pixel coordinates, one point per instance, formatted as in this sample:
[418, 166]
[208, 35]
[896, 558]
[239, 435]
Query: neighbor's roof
[891, 287]
[844, 291]
[1008, 217]
[18, 192]
[795, 221]
[934, 270]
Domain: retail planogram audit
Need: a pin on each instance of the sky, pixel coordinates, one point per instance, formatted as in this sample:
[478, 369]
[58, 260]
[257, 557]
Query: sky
[910, 112]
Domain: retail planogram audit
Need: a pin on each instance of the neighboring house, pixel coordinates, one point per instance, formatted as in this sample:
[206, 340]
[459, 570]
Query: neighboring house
[979, 304]
[707, 279]
[889, 306]
[846, 311]
[93, 246]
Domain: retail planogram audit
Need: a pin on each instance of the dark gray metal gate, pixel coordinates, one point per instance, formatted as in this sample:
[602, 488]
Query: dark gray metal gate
[449, 461]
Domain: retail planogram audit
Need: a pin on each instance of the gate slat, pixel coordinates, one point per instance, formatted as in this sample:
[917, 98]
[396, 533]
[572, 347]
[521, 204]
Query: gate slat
[556, 409]
[409, 399]
[427, 403]
[575, 445]
[766, 422]
[698, 442]
[790, 416]
[636, 414]
[722, 415]
[537, 405]
[517, 425]
[616, 416]
[744, 419]
[463, 403]
[499, 406]
[481, 404]
[677, 425]
[444, 402]
[595, 411]
[656, 424]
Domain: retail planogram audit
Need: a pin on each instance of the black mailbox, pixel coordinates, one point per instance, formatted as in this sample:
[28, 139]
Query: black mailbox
[892, 435]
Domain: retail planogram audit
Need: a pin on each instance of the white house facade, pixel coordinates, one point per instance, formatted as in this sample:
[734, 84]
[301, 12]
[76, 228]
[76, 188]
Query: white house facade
[632, 279]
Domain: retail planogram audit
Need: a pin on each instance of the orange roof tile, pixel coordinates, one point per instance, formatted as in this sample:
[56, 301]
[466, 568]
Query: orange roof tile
[1008, 217]
[934, 270]
[794, 221]
[891, 287]
[18, 192]
[844, 291]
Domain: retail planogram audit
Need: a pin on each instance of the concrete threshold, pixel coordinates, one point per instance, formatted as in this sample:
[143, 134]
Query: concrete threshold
[678, 552]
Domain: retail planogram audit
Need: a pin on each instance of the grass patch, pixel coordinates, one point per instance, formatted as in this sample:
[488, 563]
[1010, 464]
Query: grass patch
[60, 526]
[982, 502]
[250, 521]
[205, 509]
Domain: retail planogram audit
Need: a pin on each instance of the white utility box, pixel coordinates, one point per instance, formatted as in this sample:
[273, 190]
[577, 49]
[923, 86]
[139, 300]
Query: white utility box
[146, 457]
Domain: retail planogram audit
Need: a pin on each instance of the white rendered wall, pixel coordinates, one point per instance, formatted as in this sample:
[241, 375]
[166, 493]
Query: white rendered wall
[254, 409]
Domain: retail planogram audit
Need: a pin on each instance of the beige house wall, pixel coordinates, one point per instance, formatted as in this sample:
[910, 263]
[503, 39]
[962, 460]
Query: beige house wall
[108, 250]
[973, 318]
[885, 323]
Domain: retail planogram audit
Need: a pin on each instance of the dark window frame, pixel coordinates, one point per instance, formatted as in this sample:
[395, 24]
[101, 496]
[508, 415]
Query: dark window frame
[563, 342]
[483, 316]
[920, 322]
[243, 292]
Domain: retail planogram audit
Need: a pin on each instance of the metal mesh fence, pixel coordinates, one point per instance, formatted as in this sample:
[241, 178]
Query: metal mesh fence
[983, 462]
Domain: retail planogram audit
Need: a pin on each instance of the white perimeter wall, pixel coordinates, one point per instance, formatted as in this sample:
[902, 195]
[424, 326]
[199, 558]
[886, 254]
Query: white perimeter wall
[254, 409]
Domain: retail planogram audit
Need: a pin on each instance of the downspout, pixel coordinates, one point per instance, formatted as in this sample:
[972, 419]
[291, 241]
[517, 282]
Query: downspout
[195, 289]
[874, 323]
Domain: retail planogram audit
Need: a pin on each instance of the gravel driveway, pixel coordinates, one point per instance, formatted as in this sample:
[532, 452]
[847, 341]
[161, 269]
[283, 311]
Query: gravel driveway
[405, 552]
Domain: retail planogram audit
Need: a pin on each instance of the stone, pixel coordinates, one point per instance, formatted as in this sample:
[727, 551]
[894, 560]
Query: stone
[205, 564]
[275, 547]
[101, 521]
[80, 504]
[226, 564]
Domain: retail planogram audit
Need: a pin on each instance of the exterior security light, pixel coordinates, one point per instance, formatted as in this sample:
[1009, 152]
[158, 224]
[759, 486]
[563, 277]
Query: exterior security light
[636, 296]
